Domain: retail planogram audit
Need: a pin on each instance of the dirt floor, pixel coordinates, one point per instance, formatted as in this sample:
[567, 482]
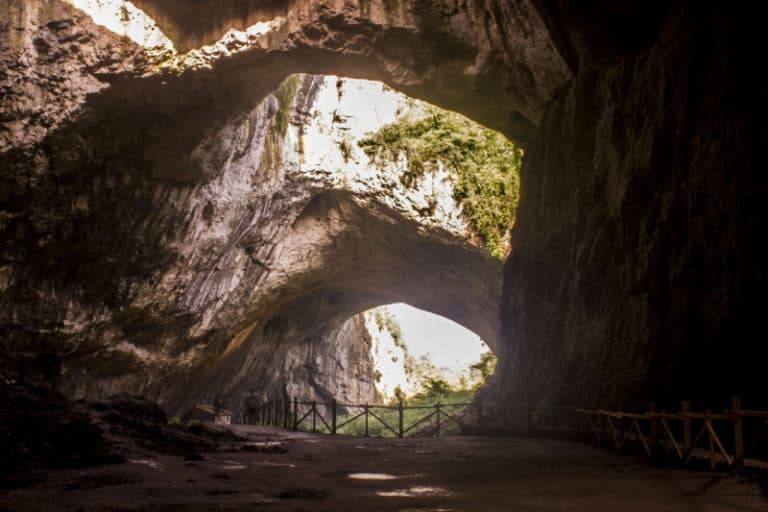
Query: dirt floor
[281, 471]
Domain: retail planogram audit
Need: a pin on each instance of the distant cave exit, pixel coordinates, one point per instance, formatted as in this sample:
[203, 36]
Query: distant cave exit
[416, 352]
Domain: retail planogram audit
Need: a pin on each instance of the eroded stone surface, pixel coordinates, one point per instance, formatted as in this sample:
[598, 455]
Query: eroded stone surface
[637, 265]
[491, 60]
[188, 293]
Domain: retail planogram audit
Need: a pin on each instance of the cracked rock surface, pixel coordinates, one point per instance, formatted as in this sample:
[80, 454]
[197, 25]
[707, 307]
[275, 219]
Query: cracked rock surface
[151, 220]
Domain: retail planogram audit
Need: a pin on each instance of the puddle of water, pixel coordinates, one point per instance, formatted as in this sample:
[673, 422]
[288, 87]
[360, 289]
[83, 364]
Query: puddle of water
[150, 463]
[416, 492]
[371, 476]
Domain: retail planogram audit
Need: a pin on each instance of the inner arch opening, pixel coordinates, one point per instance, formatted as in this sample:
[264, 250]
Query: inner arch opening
[420, 354]
[401, 201]
[297, 204]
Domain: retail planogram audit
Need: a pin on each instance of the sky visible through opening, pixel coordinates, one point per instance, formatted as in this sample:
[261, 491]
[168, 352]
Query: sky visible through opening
[448, 345]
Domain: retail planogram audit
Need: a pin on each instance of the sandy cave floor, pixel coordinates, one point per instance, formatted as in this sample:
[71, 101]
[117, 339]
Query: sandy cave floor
[282, 471]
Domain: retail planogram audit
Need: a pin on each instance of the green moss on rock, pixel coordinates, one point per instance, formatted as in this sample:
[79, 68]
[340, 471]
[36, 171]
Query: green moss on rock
[285, 94]
[484, 164]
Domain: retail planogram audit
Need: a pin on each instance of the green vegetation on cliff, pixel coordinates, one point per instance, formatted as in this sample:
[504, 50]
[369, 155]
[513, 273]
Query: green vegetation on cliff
[485, 166]
[485, 367]
[386, 320]
[285, 96]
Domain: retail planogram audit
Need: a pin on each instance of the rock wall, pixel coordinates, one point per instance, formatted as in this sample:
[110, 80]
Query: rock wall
[637, 266]
[148, 209]
[189, 292]
[492, 60]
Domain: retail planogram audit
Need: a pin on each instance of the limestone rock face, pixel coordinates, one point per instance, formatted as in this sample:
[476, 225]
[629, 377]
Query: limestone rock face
[251, 280]
[52, 56]
[156, 235]
[490, 59]
[638, 258]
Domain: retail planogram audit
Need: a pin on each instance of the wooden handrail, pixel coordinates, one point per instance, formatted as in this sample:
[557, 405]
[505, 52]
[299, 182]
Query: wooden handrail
[684, 435]
[750, 414]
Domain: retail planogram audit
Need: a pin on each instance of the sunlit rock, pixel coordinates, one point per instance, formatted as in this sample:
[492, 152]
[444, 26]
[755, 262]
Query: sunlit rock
[248, 281]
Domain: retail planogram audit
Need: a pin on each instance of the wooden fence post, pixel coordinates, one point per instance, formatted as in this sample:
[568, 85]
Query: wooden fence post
[333, 416]
[400, 419]
[295, 413]
[438, 418]
[738, 432]
[287, 412]
[365, 410]
[686, 408]
[314, 416]
[711, 441]
[653, 427]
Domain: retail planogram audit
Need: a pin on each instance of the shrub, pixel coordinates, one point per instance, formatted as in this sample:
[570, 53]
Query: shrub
[485, 166]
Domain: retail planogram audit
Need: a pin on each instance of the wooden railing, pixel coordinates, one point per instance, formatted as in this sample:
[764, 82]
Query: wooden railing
[402, 420]
[721, 438]
[324, 417]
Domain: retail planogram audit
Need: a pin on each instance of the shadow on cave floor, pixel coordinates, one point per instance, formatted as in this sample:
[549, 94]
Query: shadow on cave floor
[274, 470]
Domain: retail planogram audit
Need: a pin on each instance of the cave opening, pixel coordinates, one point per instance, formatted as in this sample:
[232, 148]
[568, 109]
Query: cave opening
[190, 210]
[401, 200]
[417, 353]
[392, 197]
[391, 192]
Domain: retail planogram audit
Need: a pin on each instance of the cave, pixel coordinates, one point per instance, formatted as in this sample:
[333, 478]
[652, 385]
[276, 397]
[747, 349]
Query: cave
[185, 217]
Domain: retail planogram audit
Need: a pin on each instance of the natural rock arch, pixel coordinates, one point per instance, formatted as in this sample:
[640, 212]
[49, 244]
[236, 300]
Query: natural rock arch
[492, 61]
[638, 268]
[239, 281]
[363, 258]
